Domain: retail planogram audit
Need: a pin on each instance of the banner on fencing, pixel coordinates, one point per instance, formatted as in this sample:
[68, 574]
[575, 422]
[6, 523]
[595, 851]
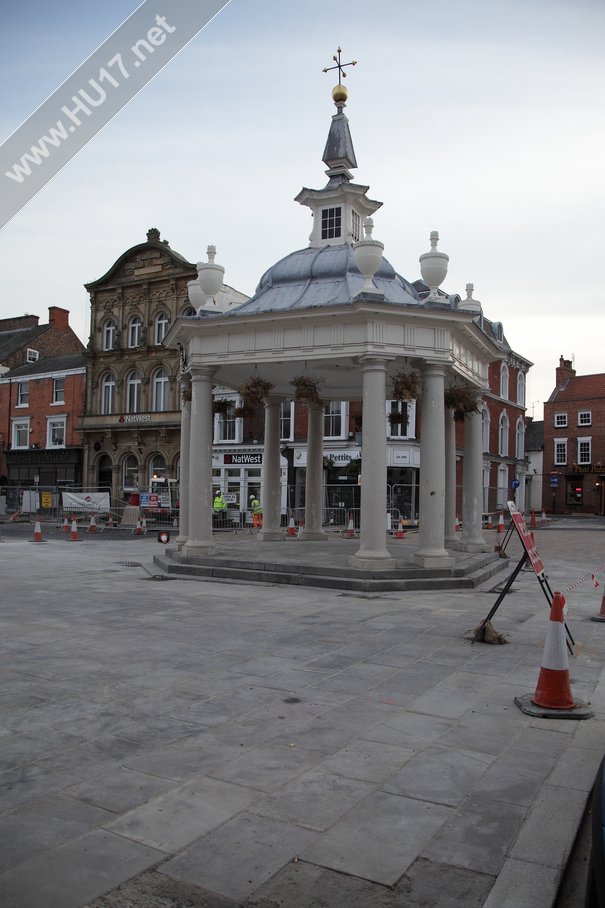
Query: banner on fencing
[91, 502]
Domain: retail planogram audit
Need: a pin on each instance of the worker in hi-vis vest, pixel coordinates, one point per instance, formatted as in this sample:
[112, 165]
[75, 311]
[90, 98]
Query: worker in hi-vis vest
[257, 512]
[219, 505]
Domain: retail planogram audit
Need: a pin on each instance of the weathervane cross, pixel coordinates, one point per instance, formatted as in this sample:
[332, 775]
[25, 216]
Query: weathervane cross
[339, 66]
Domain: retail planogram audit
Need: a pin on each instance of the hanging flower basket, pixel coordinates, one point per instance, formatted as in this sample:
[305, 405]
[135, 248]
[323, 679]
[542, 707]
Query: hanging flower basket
[353, 468]
[329, 463]
[221, 407]
[244, 410]
[254, 390]
[406, 384]
[397, 419]
[306, 389]
[462, 401]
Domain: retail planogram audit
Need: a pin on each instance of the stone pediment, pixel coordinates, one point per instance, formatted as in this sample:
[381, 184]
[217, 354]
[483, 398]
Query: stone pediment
[145, 262]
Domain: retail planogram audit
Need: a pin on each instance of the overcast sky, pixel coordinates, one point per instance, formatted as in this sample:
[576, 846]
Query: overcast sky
[480, 118]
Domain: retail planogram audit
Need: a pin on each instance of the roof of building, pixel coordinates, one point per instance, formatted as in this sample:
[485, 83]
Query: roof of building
[13, 341]
[534, 435]
[63, 363]
[580, 387]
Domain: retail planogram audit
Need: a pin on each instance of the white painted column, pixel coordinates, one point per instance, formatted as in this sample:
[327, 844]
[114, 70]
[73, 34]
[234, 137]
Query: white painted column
[451, 536]
[472, 485]
[314, 475]
[271, 477]
[200, 540]
[373, 552]
[431, 552]
[183, 535]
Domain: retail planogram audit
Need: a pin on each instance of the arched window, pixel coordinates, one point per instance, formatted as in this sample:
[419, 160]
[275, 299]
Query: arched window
[503, 435]
[109, 334]
[521, 388]
[189, 312]
[485, 426]
[157, 467]
[134, 331]
[130, 473]
[162, 323]
[160, 391]
[520, 439]
[133, 393]
[108, 394]
[504, 381]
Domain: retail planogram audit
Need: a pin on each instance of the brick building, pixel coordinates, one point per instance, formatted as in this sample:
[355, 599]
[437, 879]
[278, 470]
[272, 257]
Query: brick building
[574, 443]
[23, 340]
[131, 423]
[41, 404]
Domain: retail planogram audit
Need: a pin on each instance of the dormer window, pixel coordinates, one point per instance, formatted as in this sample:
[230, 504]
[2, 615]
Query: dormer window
[355, 226]
[331, 220]
[32, 356]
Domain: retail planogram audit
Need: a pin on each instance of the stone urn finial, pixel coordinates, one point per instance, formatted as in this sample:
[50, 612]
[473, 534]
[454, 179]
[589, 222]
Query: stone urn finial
[433, 268]
[368, 257]
[209, 276]
[470, 303]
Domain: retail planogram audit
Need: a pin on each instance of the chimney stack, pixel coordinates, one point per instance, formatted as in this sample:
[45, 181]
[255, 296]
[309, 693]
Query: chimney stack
[57, 317]
[564, 372]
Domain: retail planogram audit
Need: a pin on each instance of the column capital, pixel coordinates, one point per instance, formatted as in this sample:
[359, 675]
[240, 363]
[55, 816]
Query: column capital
[374, 361]
[202, 373]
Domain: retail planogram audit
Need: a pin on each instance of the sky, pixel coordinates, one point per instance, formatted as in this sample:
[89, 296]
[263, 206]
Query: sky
[482, 119]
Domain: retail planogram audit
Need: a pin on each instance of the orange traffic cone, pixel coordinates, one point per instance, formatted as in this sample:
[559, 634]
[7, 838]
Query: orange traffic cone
[553, 698]
[601, 615]
[37, 531]
[501, 522]
[74, 529]
[138, 530]
[109, 523]
[301, 526]
[93, 524]
[143, 527]
[349, 533]
[457, 524]
[65, 528]
[490, 524]
[400, 532]
[291, 532]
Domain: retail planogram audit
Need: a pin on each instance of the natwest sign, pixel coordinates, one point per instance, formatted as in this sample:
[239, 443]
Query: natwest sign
[243, 459]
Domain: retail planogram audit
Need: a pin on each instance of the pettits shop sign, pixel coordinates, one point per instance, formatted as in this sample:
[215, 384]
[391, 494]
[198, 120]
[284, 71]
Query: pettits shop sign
[243, 460]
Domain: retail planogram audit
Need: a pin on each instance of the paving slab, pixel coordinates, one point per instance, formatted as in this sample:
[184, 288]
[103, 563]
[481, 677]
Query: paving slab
[148, 726]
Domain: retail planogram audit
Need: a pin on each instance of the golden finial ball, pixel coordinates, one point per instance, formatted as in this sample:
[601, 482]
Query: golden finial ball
[339, 93]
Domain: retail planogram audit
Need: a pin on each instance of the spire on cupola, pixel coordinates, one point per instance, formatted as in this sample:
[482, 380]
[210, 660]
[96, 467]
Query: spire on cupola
[340, 208]
[339, 153]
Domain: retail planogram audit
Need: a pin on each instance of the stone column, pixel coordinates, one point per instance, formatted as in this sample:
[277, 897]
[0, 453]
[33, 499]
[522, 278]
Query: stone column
[373, 552]
[451, 536]
[271, 481]
[472, 485]
[183, 535]
[431, 552]
[314, 475]
[200, 540]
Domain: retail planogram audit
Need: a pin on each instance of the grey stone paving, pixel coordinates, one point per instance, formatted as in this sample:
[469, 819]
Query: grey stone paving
[220, 745]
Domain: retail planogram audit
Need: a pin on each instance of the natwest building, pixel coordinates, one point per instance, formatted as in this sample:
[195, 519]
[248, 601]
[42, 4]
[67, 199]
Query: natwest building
[574, 442]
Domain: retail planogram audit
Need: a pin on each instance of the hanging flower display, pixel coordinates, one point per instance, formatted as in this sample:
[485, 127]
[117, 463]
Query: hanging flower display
[406, 384]
[462, 401]
[221, 407]
[397, 419]
[243, 410]
[353, 468]
[254, 390]
[306, 389]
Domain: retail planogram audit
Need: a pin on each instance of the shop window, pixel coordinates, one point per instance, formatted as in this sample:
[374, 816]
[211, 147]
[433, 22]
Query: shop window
[585, 418]
[560, 420]
[20, 433]
[130, 473]
[108, 394]
[55, 432]
[584, 450]
[575, 491]
[23, 394]
[58, 391]
[560, 452]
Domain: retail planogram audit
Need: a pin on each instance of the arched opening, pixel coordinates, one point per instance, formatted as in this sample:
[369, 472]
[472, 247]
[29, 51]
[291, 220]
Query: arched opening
[105, 472]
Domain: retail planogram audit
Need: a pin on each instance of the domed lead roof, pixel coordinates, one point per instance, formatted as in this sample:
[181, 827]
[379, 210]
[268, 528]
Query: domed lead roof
[328, 276]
